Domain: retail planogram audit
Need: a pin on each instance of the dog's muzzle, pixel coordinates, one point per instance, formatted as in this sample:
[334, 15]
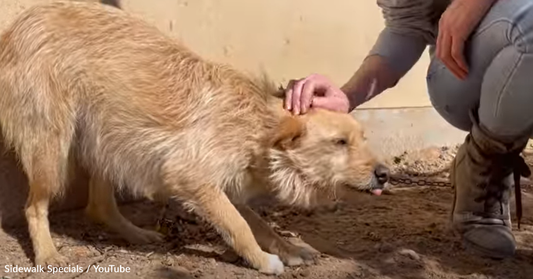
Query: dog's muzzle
[380, 178]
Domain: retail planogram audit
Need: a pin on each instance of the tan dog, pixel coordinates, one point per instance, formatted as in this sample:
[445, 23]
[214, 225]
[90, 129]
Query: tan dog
[89, 84]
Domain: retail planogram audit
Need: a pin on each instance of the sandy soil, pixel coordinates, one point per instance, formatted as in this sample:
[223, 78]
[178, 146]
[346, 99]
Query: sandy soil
[399, 235]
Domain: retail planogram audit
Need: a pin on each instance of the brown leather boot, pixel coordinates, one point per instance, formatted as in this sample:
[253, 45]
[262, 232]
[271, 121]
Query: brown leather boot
[482, 176]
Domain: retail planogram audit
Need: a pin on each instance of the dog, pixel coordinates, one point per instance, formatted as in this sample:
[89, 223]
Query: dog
[90, 85]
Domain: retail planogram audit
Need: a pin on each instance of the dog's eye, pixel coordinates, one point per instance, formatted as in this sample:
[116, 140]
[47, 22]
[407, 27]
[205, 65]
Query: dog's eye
[341, 142]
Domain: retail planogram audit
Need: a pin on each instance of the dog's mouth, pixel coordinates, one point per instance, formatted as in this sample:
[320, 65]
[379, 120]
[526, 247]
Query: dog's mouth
[375, 191]
[375, 187]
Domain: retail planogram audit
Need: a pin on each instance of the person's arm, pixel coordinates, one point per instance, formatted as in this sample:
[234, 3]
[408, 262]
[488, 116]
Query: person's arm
[409, 29]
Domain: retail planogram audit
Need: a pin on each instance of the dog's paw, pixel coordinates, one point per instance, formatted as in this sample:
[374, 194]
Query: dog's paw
[142, 236]
[294, 255]
[272, 265]
[53, 258]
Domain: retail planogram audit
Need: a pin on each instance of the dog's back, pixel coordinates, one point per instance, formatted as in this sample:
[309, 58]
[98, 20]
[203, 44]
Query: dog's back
[133, 95]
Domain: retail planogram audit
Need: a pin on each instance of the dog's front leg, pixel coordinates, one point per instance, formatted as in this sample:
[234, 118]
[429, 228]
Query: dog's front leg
[217, 209]
[271, 242]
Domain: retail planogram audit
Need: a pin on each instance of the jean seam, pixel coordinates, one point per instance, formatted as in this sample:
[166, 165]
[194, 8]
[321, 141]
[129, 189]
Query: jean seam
[506, 84]
[513, 25]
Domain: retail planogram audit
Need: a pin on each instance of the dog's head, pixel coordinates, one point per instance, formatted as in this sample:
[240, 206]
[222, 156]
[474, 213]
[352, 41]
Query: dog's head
[315, 153]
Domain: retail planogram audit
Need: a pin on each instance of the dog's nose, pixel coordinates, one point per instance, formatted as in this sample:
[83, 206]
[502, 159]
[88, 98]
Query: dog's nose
[382, 173]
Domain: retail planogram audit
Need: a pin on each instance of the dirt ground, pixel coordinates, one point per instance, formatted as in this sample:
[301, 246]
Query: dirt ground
[399, 235]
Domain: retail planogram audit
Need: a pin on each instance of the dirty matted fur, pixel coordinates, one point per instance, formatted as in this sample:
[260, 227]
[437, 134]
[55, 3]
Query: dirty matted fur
[89, 84]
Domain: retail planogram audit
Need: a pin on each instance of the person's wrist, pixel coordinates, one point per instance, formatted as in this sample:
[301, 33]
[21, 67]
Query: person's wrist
[353, 98]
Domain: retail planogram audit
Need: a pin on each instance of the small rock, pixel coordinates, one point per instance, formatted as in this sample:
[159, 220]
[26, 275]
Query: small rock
[81, 251]
[373, 236]
[305, 273]
[95, 252]
[287, 233]
[385, 248]
[168, 261]
[409, 253]
[229, 256]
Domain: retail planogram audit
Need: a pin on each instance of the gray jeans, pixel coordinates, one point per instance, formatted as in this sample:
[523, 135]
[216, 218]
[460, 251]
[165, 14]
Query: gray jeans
[500, 81]
[499, 54]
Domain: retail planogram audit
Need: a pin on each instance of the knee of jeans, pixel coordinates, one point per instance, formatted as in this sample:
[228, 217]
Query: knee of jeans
[502, 129]
[449, 97]
[455, 114]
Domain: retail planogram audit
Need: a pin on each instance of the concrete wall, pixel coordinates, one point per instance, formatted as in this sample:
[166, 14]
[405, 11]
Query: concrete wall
[288, 39]
[291, 39]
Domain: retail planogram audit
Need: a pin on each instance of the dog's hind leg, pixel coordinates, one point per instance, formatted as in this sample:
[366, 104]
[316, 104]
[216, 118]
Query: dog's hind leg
[37, 121]
[102, 208]
[47, 176]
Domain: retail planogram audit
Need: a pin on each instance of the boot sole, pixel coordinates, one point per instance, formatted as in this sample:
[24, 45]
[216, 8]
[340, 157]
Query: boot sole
[484, 253]
[469, 246]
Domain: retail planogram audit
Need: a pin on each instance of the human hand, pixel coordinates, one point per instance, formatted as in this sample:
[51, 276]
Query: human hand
[316, 91]
[455, 26]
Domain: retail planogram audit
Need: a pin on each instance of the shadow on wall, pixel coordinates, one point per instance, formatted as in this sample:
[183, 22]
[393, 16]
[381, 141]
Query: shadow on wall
[114, 3]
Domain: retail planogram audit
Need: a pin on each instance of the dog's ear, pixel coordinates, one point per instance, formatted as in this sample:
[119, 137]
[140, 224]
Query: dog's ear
[288, 133]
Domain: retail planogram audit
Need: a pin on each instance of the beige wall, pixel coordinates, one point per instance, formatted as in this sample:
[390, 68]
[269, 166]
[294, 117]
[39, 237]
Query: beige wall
[296, 37]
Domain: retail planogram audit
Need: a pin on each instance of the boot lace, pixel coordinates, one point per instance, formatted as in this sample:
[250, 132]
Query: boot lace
[495, 188]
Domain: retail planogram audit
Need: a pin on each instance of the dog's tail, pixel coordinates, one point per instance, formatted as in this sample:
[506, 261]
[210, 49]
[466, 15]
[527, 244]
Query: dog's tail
[114, 3]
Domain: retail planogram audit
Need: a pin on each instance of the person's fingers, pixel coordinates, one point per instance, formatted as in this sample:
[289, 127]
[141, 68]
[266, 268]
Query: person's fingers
[447, 59]
[296, 95]
[288, 94]
[338, 104]
[444, 47]
[458, 54]
[442, 31]
[308, 92]
[324, 103]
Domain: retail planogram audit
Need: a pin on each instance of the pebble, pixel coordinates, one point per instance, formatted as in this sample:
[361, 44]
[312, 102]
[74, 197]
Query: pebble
[168, 261]
[229, 256]
[410, 253]
[384, 247]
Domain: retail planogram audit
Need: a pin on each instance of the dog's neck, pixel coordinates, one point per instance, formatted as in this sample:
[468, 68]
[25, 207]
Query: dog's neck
[273, 170]
[276, 107]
